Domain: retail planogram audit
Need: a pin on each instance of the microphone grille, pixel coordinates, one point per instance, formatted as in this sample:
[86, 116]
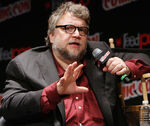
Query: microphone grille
[96, 52]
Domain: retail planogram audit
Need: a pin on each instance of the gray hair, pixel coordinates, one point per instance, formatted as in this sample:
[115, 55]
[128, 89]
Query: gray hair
[77, 10]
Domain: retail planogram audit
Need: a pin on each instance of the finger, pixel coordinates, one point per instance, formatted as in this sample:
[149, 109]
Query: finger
[81, 89]
[115, 64]
[105, 69]
[74, 65]
[69, 71]
[108, 63]
[70, 68]
[60, 85]
[117, 68]
[62, 80]
[111, 66]
[121, 72]
[78, 70]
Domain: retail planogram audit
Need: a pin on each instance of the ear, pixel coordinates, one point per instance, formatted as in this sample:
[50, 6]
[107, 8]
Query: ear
[51, 37]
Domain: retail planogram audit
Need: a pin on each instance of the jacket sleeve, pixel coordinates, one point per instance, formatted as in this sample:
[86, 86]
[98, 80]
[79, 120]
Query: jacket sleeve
[19, 99]
[138, 63]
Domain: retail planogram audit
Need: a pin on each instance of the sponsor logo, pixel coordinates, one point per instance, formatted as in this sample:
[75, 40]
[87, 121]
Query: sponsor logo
[83, 2]
[130, 41]
[105, 56]
[111, 4]
[134, 89]
[15, 9]
[95, 37]
[140, 40]
[8, 54]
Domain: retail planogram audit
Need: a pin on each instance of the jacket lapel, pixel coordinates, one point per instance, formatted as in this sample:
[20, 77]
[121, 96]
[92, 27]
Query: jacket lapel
[50, 74]
[97, 83]
[48, 67]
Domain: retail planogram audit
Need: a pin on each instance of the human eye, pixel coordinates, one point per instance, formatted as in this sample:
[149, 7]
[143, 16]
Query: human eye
[70, 28]
[84, 30]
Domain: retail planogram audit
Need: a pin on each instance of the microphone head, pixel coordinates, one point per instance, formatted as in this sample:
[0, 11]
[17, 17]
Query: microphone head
[96, 52]
[102, 56]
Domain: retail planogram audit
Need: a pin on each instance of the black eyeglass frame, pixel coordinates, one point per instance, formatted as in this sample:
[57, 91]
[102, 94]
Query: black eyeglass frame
[75, 27]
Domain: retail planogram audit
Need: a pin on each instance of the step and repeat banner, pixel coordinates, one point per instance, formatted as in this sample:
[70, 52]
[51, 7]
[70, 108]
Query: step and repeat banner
[23, 25]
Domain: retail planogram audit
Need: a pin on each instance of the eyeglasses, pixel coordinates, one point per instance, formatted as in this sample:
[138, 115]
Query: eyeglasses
[71, 29]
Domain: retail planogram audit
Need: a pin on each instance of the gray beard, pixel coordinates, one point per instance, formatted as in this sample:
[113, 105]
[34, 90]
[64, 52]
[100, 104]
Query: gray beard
[66, 55]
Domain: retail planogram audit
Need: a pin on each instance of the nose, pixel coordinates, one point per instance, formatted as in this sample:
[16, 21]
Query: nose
[76, 32]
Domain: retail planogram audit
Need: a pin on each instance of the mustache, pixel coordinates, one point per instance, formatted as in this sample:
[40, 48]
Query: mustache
[75, 42]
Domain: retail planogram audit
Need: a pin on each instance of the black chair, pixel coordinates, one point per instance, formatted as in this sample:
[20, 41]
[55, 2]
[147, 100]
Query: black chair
[2, 121]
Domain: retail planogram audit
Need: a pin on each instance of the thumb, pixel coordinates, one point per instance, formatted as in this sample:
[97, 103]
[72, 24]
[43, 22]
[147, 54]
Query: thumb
[81, 89]
[105, 69]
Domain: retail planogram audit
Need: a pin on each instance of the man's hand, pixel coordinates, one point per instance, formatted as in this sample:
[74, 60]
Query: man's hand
[67, 84]
[116, 66]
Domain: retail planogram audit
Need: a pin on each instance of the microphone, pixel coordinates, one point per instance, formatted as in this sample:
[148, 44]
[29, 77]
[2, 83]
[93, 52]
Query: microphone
[103, 56]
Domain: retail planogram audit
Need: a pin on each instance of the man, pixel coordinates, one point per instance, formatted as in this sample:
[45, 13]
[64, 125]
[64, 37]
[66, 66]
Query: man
[60, 85]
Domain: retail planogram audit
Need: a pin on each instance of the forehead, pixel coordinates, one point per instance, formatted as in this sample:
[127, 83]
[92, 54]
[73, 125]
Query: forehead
[69, 18]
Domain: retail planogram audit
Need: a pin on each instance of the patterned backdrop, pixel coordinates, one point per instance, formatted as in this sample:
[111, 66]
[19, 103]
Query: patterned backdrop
[23, 25]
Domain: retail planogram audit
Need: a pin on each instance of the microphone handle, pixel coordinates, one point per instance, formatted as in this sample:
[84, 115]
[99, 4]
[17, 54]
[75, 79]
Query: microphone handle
[125, 78]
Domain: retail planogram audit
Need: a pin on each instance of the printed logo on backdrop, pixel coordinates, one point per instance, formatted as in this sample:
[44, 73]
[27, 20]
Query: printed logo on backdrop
[8, 54]
[83, 2]
[58, 2]
[14, 9]
[94, 37]
[139, 40]
[111, 4]
[134, 89]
